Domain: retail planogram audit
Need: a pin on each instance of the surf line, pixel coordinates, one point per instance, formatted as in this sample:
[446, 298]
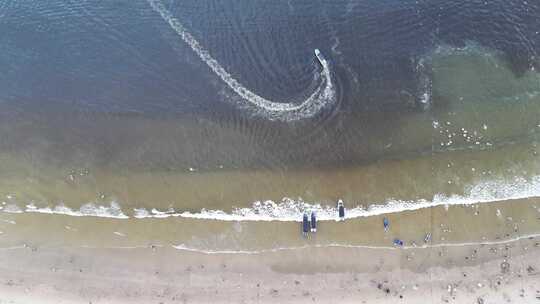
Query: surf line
[322, 97]
[372, 247]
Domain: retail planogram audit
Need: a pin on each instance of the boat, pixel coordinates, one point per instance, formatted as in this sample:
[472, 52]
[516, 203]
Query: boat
[320, 57]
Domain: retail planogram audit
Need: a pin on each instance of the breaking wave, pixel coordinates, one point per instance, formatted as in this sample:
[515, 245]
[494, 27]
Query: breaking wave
[322, 97]
[292, 210]
[111, 211]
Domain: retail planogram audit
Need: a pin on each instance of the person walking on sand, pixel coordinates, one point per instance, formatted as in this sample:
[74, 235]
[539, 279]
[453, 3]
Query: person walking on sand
[386, 224]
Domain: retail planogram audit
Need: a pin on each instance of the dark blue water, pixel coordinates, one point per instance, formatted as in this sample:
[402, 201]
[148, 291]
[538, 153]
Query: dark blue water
[120, 56]
[72, 70]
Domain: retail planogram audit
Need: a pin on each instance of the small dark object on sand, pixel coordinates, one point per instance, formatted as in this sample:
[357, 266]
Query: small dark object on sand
[505, 267]
[398, 242]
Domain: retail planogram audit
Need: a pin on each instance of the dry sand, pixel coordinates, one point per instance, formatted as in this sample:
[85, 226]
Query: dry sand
[497, 273]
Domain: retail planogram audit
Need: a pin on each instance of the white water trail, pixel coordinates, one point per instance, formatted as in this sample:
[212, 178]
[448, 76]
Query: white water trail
[322, 97]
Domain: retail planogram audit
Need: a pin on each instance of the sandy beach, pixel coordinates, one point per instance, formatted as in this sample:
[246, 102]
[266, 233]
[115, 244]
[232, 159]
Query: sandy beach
[204, 151]
[496, 273]
[474, 255]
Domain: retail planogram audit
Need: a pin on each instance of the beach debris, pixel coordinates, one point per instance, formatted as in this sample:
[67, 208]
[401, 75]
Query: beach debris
[498, 213]
[505, 267]
[427, 238]
[480, 300]
[70, 228]
[398, 242]
[386, 224]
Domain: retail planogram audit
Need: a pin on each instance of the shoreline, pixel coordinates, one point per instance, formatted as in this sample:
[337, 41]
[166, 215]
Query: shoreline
[495, 223]
[485, 252]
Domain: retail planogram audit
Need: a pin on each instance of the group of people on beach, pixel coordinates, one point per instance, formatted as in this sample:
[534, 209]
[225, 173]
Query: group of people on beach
[309, 221]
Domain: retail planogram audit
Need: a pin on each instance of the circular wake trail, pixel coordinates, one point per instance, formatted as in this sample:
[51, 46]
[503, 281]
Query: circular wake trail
[322, 97]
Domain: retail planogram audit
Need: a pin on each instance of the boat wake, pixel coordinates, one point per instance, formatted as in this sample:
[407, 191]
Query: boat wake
[322, 97]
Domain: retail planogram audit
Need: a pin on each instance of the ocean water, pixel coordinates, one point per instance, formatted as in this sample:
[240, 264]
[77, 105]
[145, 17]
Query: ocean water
[220, 113]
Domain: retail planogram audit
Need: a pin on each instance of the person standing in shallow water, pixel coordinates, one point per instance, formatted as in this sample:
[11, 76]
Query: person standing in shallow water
[313, 221]
[305, 225]
[341, 210]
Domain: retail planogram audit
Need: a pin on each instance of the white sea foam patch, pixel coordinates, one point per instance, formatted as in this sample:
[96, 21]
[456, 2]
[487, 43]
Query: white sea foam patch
[322, 97]
[90, 209]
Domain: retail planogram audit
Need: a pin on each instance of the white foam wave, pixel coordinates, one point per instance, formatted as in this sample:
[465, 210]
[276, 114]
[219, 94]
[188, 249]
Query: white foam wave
[111, 211]
[322, 97]
[408, 247]
[12, 209]
[292, 210]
